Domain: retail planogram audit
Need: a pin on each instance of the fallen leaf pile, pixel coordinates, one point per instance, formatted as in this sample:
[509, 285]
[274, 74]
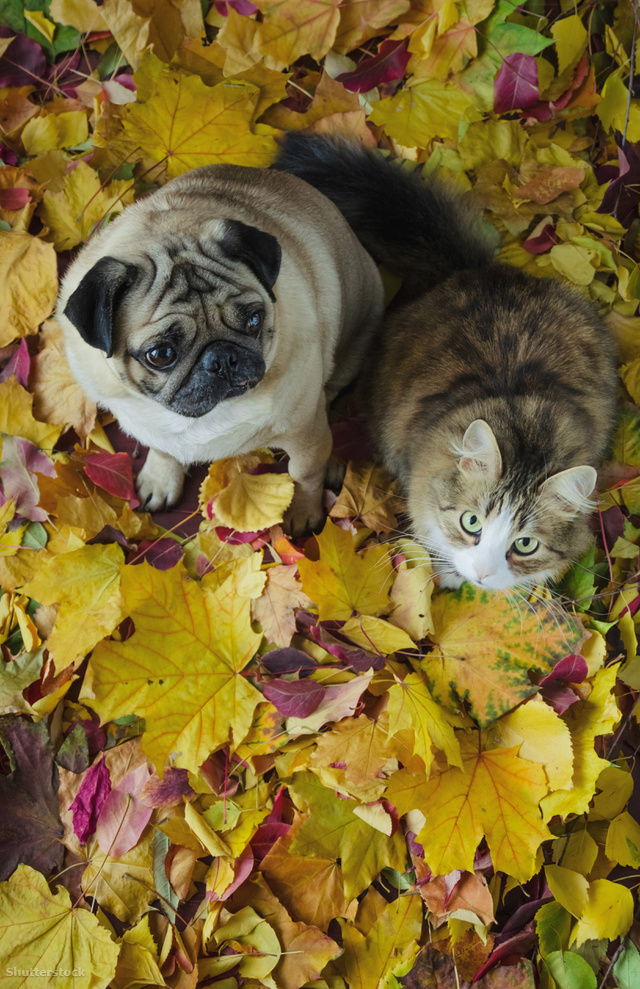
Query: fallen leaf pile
[232, 759]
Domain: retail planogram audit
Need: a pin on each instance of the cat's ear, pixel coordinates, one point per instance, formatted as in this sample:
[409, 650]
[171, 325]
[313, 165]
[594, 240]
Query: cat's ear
[479, 451]
[570, 489]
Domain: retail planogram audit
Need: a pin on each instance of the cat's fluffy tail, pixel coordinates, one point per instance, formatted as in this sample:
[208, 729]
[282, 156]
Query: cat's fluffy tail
[416, 228]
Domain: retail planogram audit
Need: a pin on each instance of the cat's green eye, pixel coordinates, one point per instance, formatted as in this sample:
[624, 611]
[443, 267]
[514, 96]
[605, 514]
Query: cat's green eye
[471, 523]
[525, 546]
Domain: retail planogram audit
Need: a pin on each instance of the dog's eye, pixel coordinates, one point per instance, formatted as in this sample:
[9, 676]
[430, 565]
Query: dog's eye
[254, 322]
[161, 357]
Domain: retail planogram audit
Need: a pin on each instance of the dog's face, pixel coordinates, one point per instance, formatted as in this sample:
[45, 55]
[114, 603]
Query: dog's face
[188, 323]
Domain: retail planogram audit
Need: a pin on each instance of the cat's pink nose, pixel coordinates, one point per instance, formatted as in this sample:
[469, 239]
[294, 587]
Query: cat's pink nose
[483, 573]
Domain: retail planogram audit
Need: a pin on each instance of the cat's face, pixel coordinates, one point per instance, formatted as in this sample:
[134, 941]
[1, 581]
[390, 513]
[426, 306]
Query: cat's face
[486, 528]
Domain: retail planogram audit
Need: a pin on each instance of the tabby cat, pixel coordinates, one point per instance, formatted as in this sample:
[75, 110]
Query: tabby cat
[490, 392]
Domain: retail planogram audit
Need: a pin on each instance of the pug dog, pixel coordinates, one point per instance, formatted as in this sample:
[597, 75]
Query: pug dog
[218, 315]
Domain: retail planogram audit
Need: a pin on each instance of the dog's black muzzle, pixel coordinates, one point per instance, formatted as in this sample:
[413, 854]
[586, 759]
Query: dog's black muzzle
[224, 370]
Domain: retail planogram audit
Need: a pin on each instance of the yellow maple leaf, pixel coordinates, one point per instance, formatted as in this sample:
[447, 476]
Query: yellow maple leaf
[364, 19]
[542, 736]
[275, 608]
[343, 581]
[181, 669]
[376, 634]
[71, 213]
[81, 14]
[412, 590]
[429, 109]
[242, 501]
[187, 124]
[57, 396]
[484, 648]
[351, 756]
[139, 957]
[387, 950]
[496, 795]
[157, 23]
[122, 884]
[616, 104]
[237, 38]
[28, 283]
[411, 707]
[597, 715]
[368, 494]
[42, 930]
[291, 28]
[310, 886]
[55, 130]
[333, 829]
[16, 417]
[85, 583]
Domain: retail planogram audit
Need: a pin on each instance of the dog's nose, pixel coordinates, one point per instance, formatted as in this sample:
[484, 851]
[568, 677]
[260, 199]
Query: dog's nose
[223, 364]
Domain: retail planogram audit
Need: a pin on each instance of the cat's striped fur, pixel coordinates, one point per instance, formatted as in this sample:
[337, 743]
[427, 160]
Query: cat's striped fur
[491, 393]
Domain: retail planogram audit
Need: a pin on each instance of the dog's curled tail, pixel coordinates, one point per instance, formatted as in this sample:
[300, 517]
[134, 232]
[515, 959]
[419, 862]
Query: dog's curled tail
[416, 228]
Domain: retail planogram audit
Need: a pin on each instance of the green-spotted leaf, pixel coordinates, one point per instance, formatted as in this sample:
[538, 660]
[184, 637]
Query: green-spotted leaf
[484, 647]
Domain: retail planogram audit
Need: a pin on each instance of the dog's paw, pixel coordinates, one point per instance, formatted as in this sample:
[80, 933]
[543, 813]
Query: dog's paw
[160, 482]
[304, 516]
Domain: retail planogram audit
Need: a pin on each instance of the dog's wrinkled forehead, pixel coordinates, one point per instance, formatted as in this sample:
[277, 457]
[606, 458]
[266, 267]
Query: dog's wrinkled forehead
[179, 277]
[176, 274]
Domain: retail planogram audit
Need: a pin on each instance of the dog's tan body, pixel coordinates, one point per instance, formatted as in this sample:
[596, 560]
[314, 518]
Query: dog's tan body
[184, 268]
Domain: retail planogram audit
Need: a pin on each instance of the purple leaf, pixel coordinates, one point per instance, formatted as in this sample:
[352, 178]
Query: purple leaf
[389, 64]
[516, 85]
[23, 63]
[622, 197]
[358, 659]
[235, 538]
[519, 945]
[168, 791]
[572, 668]
[296, 698]
[542, 238]
[8, 155]
[288, 660]
[240, 7]
[109, 534]
[124, 816]
[19, 364]
[30, 828]
[21, 460]
[558, 696]
[163, 554]
[93, 792]
[266, 836]
[613, 524]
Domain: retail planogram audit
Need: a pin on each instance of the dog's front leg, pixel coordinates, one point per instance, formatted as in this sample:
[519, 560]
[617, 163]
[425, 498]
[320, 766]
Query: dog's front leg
[309, 450]
[160, 481]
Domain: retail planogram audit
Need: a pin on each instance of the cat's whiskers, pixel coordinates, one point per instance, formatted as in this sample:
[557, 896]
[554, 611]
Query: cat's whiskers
[553, 607]
[511, 599]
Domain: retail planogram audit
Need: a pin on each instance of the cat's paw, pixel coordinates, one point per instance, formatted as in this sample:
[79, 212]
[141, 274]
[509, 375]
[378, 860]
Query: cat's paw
[334, 475]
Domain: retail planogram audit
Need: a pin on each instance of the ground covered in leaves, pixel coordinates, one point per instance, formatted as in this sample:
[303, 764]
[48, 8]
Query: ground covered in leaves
[235, 760]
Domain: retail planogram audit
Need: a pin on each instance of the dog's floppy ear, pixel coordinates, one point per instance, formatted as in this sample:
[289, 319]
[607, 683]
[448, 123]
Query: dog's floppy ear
[260, 251]
[94, 303]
